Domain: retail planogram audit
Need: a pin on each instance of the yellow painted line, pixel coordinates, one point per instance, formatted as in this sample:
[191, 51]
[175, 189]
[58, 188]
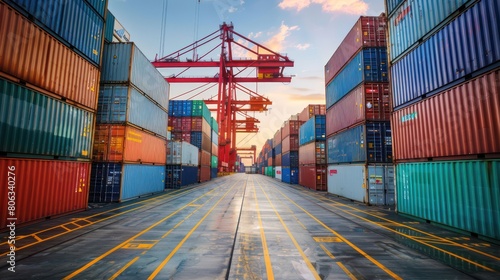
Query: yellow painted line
[301, 224]
[267, 257]
[109, 252]
[36, 237]
[346, 270]
[179, 245]
[327, 251]
[327, 239]
[306, 259]
[167, 233]
[64, 227]
[140, 244]
[356, 248]
[124, 268]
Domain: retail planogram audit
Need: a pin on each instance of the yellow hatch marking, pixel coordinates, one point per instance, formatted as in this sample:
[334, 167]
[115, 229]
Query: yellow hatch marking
[267, 258]
[327, 239]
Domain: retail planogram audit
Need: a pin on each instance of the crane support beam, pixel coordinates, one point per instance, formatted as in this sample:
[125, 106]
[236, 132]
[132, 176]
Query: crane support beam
[216, 64]
[178, 80]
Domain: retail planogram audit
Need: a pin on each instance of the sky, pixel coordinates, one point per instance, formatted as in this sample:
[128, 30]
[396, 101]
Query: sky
[307, 31]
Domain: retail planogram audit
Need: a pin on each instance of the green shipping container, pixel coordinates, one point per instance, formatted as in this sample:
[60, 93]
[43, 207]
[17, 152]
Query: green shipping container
[269, 171]
[200, 109]
[460, 194]
[35, 124]
[214, 161]
[214, 125]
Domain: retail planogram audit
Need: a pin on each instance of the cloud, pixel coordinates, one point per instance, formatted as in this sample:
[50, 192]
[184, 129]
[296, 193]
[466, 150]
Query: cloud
[223, 7]
[277, 42]
[310, 78]
[303, 46]
[328, 6]
[308, 97]
[255, 35]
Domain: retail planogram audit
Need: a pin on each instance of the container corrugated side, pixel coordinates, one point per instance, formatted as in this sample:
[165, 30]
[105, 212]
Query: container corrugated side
[182, 153]
[277, 138]
[125, 63]
[213, 172]
[312, 153]
[214, 161]
[313, 130]
[215, 137]
[367, 32]
[415, 19]
[290, 175]
[446, 59]
[457, 122]
[205, 158]
[278, 173]
[105, 182]
[311, 110]
[205, 173]
[178, 176]
[367, 102]
[370, 142]
[391, 5]
[42, 61]
[200, 109]
[214, 125]
[99, 6]
[290, 127]
[313, 177]
[460, 194]
[123, 143]
[369, 65]
[140, 179]
[186, 124]
[290, 143]
[43, 188]
[120, 104]
[32, 123]
[277, 160]
[278, 149]
[290, 159]
[109, 27]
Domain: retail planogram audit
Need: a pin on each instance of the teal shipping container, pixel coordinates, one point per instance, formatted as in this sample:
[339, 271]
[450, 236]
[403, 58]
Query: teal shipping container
[124, 104]
[313, 130]
[124, 63]
[109, 26]
[200, 109]
[461, 194]
[35, 124]
[215, 125]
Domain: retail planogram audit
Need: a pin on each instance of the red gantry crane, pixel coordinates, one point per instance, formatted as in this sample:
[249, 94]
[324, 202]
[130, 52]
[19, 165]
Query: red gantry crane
[264, 65]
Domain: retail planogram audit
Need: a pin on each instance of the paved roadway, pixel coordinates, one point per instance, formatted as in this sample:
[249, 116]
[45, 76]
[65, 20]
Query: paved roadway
[245, 227]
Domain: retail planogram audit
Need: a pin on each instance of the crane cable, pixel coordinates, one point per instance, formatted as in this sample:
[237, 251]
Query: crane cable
[163, 30]
[196, 25]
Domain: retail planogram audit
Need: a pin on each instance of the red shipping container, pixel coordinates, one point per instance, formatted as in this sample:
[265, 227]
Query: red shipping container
[277, 138]
[30, 54]
[277, 160]
[205, 158]
[313, 177]
[290, 143]
[197, 124]
[215, 149]
[186, 123]
[291, 127]
[204, 174]
[205, 128]
[176, 124]
[206, 142]
[367, 32]
[310, 111]
[43, 188]
[313, 153]
[370, 101]
[186, 137]
[123, 143]
[461, 121]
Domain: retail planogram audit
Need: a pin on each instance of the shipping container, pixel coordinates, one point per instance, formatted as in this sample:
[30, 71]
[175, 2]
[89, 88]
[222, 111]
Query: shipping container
[370, 142]
[99, 6]
[178, 176]
[367, 102]
[369, 65]
[277, 160]
[277, 138]
[43, 188]
[214, 161]
[313, 130]
[73, 21]
[415, 19]
[204, 173]
[269, 171]
[310, 111]
[278, 149]
[124, 104]
[290, 127]
[277, 173]
[351, 181]
[124, 63]
[313, 153]
[215, 137]
[206, 129]
[182, 153]
[270, 161]
[290, 143]
[201, 140]
[176, 123]
[290, 175]
[461, 194]
[123, 143]
[215, 149]
[35, 124]
[109, 26]
[197, 123]
[367, 32]
[290, 159]
[42, 61]
[313, 177]
[214, 125]
[117, 182]
[200, 109]
[205, 158]
[457, 122]
[446, 59]
[213, 173]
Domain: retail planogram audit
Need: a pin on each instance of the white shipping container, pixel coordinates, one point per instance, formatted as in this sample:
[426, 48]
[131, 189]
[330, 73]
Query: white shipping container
[182, 153]
[278, 173]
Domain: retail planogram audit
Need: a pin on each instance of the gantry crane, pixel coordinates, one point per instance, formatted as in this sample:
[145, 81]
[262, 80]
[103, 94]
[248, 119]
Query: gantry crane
[251, 150]
[232, 73]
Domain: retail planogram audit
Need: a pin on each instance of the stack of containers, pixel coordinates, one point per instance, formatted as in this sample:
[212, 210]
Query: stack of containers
[201, 137]
[215, 147]
[359, 151]
[290, 150]
[48, 100]
[311, 111]
[445, 78]
[312, 153]
[130, 141]
[267, 152]
[182, 165]
[277, 154]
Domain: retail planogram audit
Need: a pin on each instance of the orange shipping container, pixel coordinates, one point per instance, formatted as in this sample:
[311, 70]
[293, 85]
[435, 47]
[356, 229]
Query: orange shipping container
[312, 110]
[42, 188]
[123, 143]
[30, 54]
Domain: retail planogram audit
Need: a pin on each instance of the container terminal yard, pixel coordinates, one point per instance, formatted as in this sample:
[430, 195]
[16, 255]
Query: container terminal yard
[110, 170]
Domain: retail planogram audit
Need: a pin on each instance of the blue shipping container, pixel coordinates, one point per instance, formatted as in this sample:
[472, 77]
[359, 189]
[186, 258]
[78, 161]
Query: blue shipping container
[415, 19]
[391, 5]
[277, 149]
[105, 182]
[369, 65]
[290, 159]
[33, 123]
[99, 6]
[120, 104]
[370, 142]
[178, 176]
[469, 43]
[139, 179]
[197, 138]
[124, 63]
[74, 21]
[187, 108]
[109, 27]
[213, 172]
[290, 175]
[313, 130]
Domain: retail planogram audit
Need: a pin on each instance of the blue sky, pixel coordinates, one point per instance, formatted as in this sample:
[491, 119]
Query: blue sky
[308, 31]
